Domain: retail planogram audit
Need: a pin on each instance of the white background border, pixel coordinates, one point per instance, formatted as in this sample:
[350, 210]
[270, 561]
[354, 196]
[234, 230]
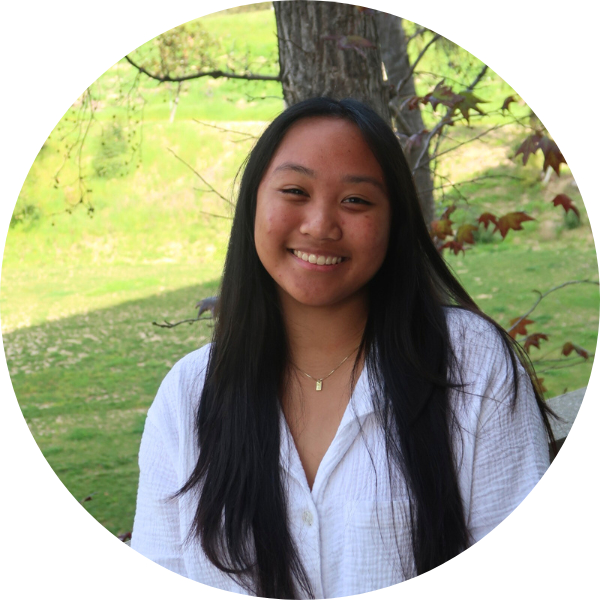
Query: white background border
[51, 52]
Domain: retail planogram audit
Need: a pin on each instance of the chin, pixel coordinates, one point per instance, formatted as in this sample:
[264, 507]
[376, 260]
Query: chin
[323, 300]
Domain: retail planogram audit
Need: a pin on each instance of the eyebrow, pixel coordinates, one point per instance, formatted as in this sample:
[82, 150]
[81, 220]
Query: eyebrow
[290, 166]
[364, 179]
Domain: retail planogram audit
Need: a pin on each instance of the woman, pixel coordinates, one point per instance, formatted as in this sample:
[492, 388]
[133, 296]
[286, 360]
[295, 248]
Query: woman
[356, 421]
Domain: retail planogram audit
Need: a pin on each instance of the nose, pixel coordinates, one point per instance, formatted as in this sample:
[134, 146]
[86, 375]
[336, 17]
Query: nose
[321, 221]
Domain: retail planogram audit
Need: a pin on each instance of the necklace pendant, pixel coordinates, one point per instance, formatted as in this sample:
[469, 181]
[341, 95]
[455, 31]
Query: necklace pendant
[319, 385]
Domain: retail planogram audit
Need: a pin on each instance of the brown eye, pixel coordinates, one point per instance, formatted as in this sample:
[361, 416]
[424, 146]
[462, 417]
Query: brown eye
[356, 200]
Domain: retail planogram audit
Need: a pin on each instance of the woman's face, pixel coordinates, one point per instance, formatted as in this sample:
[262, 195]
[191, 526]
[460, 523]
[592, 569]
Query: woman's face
[323, 214]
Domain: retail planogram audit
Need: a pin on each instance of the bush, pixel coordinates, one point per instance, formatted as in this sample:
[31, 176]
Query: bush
[571, 220]
[110, 160]
[26, 215]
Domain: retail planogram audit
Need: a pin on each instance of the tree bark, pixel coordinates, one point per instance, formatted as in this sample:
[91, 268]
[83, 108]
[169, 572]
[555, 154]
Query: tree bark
[317, 58]
[392, 40]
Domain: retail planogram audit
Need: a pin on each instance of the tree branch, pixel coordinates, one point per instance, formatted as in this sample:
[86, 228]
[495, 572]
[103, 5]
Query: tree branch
[542, 296]
[451, 184]
[572, 360]
[440, 124]
[212, 189]
[478, 78]
[417, 33]
[249, 136]
[474, 180]
[203, 212]
[445, 120]
[214, 74]
[399, 118]
[403, 81]
[168, 325]
[563, 366]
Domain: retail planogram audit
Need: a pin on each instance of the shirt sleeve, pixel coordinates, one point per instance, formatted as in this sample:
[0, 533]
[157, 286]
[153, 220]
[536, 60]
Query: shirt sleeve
[156, 529]
[510, 452]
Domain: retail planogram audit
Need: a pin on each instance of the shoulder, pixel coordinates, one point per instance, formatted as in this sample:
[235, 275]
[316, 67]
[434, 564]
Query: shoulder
[482, 359]
[463, 323]
[474, 339]
[180, 390]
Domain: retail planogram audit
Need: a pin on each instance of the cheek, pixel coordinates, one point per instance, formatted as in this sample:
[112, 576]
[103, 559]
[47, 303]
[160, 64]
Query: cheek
[374, 235]
[272, 222]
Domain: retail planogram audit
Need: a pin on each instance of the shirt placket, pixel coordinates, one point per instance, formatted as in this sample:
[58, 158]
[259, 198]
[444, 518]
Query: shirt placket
[305, 506]
[303, 515]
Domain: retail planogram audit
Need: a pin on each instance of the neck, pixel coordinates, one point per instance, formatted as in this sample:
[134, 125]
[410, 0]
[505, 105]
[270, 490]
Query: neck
[320, 337]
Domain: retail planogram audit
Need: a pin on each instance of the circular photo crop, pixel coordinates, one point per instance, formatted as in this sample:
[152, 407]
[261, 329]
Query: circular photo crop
[300, 299]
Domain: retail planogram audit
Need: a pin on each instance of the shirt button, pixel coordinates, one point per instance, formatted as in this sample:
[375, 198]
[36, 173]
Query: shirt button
[307, 517]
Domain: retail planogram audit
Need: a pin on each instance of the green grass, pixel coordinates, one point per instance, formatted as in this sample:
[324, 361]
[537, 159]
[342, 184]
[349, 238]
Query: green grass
[85, 382]
[502, 280]
[79, 294]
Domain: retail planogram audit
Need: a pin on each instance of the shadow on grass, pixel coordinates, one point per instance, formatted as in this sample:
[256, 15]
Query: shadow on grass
[85, 383]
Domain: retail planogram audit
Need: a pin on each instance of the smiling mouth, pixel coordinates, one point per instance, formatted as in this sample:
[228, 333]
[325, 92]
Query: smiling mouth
[318, 259]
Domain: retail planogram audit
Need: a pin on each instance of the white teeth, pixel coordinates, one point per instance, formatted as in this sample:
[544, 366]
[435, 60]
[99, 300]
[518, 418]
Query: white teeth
[317, 259]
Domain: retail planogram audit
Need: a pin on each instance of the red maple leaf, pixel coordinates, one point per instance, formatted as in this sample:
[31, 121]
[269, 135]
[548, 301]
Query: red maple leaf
[566, 202]
[468, 101]
[552, 155]
[442, 94]
[455, 246]
[441, 228]
[534, 340]
[487, 218]
[411, 103]
[529, 146]
[511, 220]
[570, 347]
[449, 210]
[519, 326]
[507, 101]
[464, 235]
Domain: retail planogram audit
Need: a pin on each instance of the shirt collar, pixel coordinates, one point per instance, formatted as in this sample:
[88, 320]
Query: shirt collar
[358, 409]
[361, 401]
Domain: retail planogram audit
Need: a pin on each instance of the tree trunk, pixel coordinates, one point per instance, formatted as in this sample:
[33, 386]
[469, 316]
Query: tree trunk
[408, 122]
[329, 49]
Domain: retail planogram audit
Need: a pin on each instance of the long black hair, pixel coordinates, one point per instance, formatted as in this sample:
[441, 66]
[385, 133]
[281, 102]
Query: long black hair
[241, 520]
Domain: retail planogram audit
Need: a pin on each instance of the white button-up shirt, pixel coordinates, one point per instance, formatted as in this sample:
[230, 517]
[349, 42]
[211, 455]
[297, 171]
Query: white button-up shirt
[351, 529]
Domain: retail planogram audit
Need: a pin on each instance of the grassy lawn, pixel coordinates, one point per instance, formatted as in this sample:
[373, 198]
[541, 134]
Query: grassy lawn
[79, 294]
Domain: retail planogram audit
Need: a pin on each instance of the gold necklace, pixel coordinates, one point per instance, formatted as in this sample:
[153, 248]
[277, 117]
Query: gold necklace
[319, 382]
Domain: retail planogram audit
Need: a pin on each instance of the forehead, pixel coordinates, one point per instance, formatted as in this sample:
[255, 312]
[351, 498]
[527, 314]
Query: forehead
[324, 144]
